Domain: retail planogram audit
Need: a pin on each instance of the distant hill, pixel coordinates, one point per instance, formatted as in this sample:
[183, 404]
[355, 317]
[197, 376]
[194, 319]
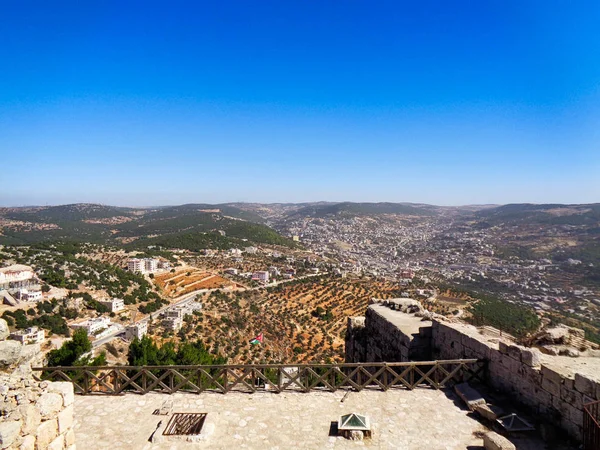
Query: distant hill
[115, 225]
[64, 213]
[550, 214]
[362, 209]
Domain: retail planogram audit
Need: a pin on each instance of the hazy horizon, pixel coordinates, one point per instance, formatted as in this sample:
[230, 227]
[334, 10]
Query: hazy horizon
[167, 205]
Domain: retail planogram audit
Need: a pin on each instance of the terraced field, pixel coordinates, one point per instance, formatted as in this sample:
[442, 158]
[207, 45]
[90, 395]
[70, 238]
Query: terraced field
[304, 321]
[188, 280]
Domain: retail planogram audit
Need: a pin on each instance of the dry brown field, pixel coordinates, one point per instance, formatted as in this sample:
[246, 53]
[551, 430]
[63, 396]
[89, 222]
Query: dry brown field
[189, 280]
[288, 316]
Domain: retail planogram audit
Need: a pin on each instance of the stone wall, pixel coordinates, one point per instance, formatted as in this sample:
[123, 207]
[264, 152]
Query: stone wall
[555, 388]
[33, 415]
[387, 333]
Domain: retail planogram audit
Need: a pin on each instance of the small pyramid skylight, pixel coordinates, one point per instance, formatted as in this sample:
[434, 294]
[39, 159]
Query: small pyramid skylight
[354, 421]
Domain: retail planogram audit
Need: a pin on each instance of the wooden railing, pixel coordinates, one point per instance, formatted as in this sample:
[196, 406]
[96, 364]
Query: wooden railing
[591, 426]
[115, 380]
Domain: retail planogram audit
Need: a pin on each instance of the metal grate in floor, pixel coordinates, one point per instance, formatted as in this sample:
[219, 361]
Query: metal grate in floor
[185, 424]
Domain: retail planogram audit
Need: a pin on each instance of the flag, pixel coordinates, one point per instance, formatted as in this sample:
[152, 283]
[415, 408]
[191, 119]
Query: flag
[257, 340]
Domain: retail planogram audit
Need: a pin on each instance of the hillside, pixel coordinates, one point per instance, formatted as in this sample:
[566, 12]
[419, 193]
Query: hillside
[549, 214]
[350, 209]
[302, 321]
[192, 226]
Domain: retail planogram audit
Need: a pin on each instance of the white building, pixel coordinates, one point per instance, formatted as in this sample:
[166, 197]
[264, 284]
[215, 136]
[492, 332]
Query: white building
[113, 304]
[261, 275]
[251, 250]
[15, 274]
[174, 313]
[235, 252]
[29, 296]
[150, 265]
[136, 265]
[93, 326]
[172, 323]
[137, 330]
[32, 335]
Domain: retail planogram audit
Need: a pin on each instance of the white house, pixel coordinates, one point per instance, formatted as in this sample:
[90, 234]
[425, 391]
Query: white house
[113, 304]
[261, 275]
[93, 326]
[137, 330]
[29, 296]
[32, 335]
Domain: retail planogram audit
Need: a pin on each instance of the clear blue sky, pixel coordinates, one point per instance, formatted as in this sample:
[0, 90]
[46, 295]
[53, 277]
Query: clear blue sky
[147, 103]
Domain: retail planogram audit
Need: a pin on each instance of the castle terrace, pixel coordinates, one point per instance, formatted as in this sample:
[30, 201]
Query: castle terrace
[403, 419]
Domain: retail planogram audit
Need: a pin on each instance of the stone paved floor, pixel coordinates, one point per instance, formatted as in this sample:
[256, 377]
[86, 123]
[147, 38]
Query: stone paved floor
[420, 419]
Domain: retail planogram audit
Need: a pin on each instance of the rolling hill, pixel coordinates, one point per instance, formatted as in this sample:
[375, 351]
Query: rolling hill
[350, 209]
[191, 226]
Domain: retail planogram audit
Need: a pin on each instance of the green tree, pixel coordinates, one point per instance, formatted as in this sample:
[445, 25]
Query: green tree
[74, 352]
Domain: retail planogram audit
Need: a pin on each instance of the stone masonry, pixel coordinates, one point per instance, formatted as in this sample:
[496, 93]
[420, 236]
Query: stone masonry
[392, 331]
[555, 388]
[33, 415]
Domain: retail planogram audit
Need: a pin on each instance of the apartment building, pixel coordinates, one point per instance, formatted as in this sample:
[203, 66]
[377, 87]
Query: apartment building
[114, 304]
[136, 265]
[150, 265]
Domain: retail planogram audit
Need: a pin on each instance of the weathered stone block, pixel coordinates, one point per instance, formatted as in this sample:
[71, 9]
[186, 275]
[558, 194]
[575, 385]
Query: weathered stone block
[63, 388]
[49, 404]
[531, 357]
[551, 375]
[9, 431]
[572, 397]
[489, 412]
[503, 347]
[550, 386]
[495, 441]
[28, 443]
[10, 353]
[469, 395]
[584, 385]
[46, 433]
[65, 419]
[69, 438]
[57, 444]
[31, 418]
[4, 331]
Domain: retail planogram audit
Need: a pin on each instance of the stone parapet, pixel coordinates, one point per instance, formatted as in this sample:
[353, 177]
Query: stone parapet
[34, 415]
[388, 334]
[547, 387]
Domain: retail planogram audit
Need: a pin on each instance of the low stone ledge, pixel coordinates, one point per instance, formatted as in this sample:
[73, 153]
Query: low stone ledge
[495, 441]
[470, 396]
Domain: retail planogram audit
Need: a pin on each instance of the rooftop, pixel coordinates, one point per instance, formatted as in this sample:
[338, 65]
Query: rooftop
[418, 419]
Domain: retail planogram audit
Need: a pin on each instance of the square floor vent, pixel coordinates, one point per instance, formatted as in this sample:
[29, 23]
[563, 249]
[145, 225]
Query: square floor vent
[185, 424]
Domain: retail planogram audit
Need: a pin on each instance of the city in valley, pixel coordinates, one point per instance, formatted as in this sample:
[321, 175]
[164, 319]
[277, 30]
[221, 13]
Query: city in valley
[292, 273]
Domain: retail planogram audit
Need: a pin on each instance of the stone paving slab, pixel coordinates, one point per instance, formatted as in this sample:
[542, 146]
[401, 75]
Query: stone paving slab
[401, 419]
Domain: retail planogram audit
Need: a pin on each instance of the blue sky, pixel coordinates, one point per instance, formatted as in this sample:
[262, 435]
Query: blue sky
[148, 103]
